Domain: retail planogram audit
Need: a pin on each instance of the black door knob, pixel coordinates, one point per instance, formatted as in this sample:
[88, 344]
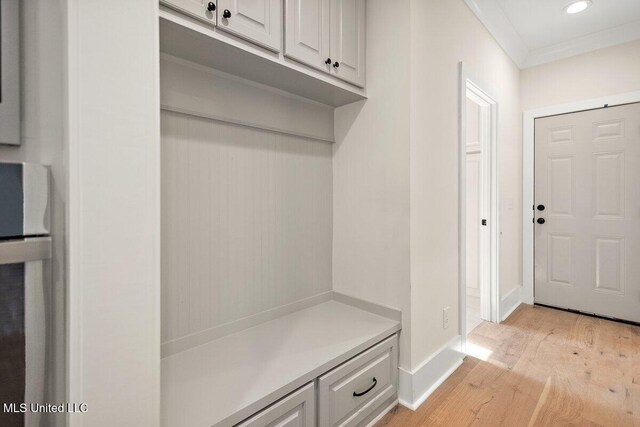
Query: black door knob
[226, 13]
[540, 221]
[336, 64]
[540, 208]
[211, 6]
[328, 61]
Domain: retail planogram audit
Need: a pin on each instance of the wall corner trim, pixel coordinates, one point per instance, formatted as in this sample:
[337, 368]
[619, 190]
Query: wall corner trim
[375, 308]
[510, 302]
[417, 385]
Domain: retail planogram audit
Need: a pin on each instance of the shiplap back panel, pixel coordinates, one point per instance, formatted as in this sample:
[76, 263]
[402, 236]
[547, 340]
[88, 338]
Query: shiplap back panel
[246, 222]
[194, 89]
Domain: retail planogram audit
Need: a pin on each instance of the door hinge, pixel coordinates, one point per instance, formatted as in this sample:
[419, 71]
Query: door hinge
[484, 222]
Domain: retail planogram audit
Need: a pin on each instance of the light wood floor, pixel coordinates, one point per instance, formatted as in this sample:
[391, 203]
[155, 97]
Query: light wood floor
[547, 368]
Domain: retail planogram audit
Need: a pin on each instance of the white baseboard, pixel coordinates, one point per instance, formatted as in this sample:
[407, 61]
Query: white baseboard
[372, 307]
[416, 386]
[510, 302]
[184, 343]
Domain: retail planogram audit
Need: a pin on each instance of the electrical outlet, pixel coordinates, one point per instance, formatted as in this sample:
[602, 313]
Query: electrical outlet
[445, 318]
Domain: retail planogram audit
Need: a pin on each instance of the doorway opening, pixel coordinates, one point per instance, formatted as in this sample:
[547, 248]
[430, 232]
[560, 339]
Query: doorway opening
[478, 242]
[477, 190]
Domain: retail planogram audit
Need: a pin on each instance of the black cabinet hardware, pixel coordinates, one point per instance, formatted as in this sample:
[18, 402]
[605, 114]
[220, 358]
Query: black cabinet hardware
[540, 221]
[211, 6]
[540, 208]
[226, 14]
[375, 382]
[327, 61]
[336, 64]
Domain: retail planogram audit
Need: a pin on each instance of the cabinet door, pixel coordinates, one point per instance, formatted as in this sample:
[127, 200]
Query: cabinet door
[348, 40]
[259, 21]
[196, 8]
[295, 410]
[307, 32]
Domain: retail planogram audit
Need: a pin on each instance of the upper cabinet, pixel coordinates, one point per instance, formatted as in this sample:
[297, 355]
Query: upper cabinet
[307, 32]
[312, 48]
[202, 10]
[259, 21]
[348, 40]
[328, 35]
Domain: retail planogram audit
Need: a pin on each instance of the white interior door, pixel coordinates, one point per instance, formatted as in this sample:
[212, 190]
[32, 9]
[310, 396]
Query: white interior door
[307, 32]
[474, 195]
[259, 21]
[477, 206]
[587, 177]
[474, 218]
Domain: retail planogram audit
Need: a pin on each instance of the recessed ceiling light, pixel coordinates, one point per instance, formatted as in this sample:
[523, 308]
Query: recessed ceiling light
[577, 6]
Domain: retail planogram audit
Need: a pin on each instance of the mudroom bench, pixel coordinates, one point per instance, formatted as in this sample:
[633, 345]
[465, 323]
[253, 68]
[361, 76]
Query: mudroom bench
[331, 364]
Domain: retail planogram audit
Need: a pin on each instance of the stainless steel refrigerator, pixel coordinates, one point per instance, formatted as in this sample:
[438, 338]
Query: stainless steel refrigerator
[25, 248]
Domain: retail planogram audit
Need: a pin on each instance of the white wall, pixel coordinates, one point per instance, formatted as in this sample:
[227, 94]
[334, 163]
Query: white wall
[595, 74]
[443, 33]
[246, 222]
[371, 173]
[42, 96]
[113, 217]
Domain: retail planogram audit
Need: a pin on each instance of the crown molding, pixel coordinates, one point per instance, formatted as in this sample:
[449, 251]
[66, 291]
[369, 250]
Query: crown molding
[600, 40]
[495, 20]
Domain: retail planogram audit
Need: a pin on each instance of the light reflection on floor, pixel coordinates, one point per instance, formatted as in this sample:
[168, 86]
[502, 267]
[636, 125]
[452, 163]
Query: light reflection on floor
[478, 352]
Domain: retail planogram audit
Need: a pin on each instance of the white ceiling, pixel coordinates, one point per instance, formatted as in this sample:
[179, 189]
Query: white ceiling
[538, 31]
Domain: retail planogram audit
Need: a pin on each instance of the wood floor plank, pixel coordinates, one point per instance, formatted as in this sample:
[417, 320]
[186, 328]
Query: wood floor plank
[546, 368]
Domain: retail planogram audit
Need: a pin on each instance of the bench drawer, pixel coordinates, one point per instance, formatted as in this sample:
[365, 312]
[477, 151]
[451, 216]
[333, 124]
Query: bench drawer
[348, 394]
[294, 410]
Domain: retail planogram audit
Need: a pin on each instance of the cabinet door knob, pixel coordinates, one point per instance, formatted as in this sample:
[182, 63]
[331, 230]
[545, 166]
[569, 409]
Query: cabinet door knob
[211, 6]
[328, 61]
[336, 64]
[226, 13]
[540, 221]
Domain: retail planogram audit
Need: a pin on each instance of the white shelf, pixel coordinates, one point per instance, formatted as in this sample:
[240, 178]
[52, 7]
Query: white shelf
[187, 38]
[225, 381]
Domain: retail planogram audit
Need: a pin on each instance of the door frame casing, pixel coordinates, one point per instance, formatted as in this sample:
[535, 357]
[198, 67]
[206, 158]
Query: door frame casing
[469, 82]
[528, 175]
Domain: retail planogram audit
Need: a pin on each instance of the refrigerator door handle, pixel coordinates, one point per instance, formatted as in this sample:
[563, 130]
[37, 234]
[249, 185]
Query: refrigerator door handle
[25, 250]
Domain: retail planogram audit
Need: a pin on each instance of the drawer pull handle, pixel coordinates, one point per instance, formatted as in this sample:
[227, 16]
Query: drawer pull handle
[375, 382]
